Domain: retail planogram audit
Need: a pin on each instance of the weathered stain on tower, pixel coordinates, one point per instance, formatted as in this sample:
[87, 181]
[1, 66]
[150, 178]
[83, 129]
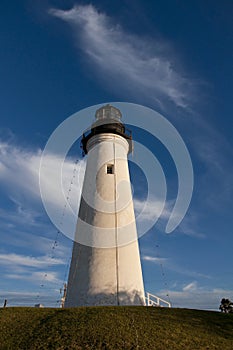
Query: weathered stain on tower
[107, 271]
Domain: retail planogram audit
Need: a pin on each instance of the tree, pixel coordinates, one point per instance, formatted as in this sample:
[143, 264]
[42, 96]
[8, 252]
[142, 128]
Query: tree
[226, 306]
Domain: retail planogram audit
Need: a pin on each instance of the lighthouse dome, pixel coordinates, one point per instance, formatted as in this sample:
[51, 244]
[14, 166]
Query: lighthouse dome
[108, 120]
[108, 112]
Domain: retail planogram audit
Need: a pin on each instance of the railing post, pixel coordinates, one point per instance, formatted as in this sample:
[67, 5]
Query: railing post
[154, 300]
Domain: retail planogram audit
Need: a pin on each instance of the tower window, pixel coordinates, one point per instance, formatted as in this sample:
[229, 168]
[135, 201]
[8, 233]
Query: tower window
[110, 169]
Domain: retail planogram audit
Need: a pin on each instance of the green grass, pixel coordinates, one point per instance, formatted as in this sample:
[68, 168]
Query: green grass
[115, 328]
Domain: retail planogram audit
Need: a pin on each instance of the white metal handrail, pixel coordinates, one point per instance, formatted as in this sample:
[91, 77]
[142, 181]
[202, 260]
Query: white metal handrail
[153, 300]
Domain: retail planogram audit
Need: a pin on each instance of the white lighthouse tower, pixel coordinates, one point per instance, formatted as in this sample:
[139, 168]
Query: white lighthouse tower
[105, 267]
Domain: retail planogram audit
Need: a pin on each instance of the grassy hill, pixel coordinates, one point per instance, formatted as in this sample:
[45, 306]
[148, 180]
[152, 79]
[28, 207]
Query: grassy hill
[115, 328]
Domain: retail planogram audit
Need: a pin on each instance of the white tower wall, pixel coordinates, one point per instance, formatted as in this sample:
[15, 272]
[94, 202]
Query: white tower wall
[108, 272]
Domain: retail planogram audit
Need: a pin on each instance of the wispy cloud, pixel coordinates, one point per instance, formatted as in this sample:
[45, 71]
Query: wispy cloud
[147, 67]
[187, 272]
[171, 265]
[24, 298]
[20, 176]
[188, 227]
[197, 297]
[153, 209]
[16, 260]
[144, 66]
[20, 215]
[190, 287]
[27, 237]
[20, 168]
[214, 152]
[40, 273]
[34, 277]
[153, 259]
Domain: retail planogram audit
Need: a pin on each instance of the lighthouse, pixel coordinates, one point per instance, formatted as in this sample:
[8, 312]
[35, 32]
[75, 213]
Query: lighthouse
[105, 267]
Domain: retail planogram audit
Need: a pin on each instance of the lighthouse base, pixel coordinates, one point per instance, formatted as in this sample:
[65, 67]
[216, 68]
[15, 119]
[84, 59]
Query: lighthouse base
[105, 276]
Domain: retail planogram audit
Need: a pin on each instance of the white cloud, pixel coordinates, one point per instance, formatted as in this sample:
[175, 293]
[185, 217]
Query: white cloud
[20, 215]
[153, 259]
[197, 297]
[190, 287]
[36, 272]
[21, 179]
[187, 272]
[214, 152]
[20, 168]
[131, 62]
[49, 297]
[190, 226]
[15, 260]
[36, 276]
[151, 210]
[170, 265]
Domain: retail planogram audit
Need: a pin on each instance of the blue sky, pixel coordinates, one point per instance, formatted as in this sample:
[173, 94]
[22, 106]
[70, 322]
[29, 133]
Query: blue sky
[58, 57]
